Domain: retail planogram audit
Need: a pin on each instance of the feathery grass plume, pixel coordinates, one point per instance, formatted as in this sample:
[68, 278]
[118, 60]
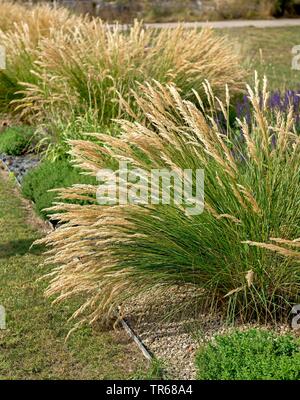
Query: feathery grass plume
[21, 54]
[111, 253]
[283, 249]
[41, 18]
[11, 14]
[94, 64]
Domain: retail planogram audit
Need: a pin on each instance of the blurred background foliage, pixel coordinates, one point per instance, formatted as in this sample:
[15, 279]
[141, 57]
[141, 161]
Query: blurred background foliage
[181, 10]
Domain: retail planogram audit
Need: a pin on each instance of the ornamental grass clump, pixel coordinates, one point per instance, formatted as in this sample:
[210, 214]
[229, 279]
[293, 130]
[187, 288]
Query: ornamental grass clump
[242, 252]
[283, 101]
[22, 29]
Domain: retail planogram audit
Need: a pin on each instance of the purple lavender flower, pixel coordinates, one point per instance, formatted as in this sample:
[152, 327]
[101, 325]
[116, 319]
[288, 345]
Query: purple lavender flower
[277, 102]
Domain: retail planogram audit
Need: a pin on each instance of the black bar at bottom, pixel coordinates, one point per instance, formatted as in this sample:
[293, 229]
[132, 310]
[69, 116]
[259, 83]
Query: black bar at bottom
[133, 389]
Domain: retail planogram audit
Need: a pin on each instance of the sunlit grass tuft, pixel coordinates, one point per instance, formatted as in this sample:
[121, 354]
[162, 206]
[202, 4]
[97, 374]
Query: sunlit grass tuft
[92, 65]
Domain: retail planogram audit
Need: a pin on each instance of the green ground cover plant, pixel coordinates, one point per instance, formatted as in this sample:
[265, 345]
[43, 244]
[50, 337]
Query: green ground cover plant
[115, 61]
[22, 29]
[255, 354]
[50, 81]
[16, 140]
[39, 182]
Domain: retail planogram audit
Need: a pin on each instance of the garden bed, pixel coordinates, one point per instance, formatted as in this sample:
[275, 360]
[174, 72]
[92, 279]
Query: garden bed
[167, 325]
[173, 269]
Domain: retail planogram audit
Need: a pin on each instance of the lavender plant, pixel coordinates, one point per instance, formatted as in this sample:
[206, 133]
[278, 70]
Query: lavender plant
[278, 101]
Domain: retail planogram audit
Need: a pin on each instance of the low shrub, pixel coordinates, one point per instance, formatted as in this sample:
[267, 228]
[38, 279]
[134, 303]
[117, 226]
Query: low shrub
[251, 355]
[16, 140]
[48, 176]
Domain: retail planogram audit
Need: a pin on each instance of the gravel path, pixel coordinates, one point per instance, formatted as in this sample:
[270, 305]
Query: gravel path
[259, 23]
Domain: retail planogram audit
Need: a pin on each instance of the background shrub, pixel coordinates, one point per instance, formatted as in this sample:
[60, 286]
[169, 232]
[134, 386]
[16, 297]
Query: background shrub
[50, 175]
[235, 9]
[250, 355]
[285, 7]
[16, 140]
[52, 137]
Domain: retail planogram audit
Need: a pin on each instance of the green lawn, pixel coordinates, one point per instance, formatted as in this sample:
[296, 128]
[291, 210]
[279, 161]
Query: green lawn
[33, 345]
[269, 51]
